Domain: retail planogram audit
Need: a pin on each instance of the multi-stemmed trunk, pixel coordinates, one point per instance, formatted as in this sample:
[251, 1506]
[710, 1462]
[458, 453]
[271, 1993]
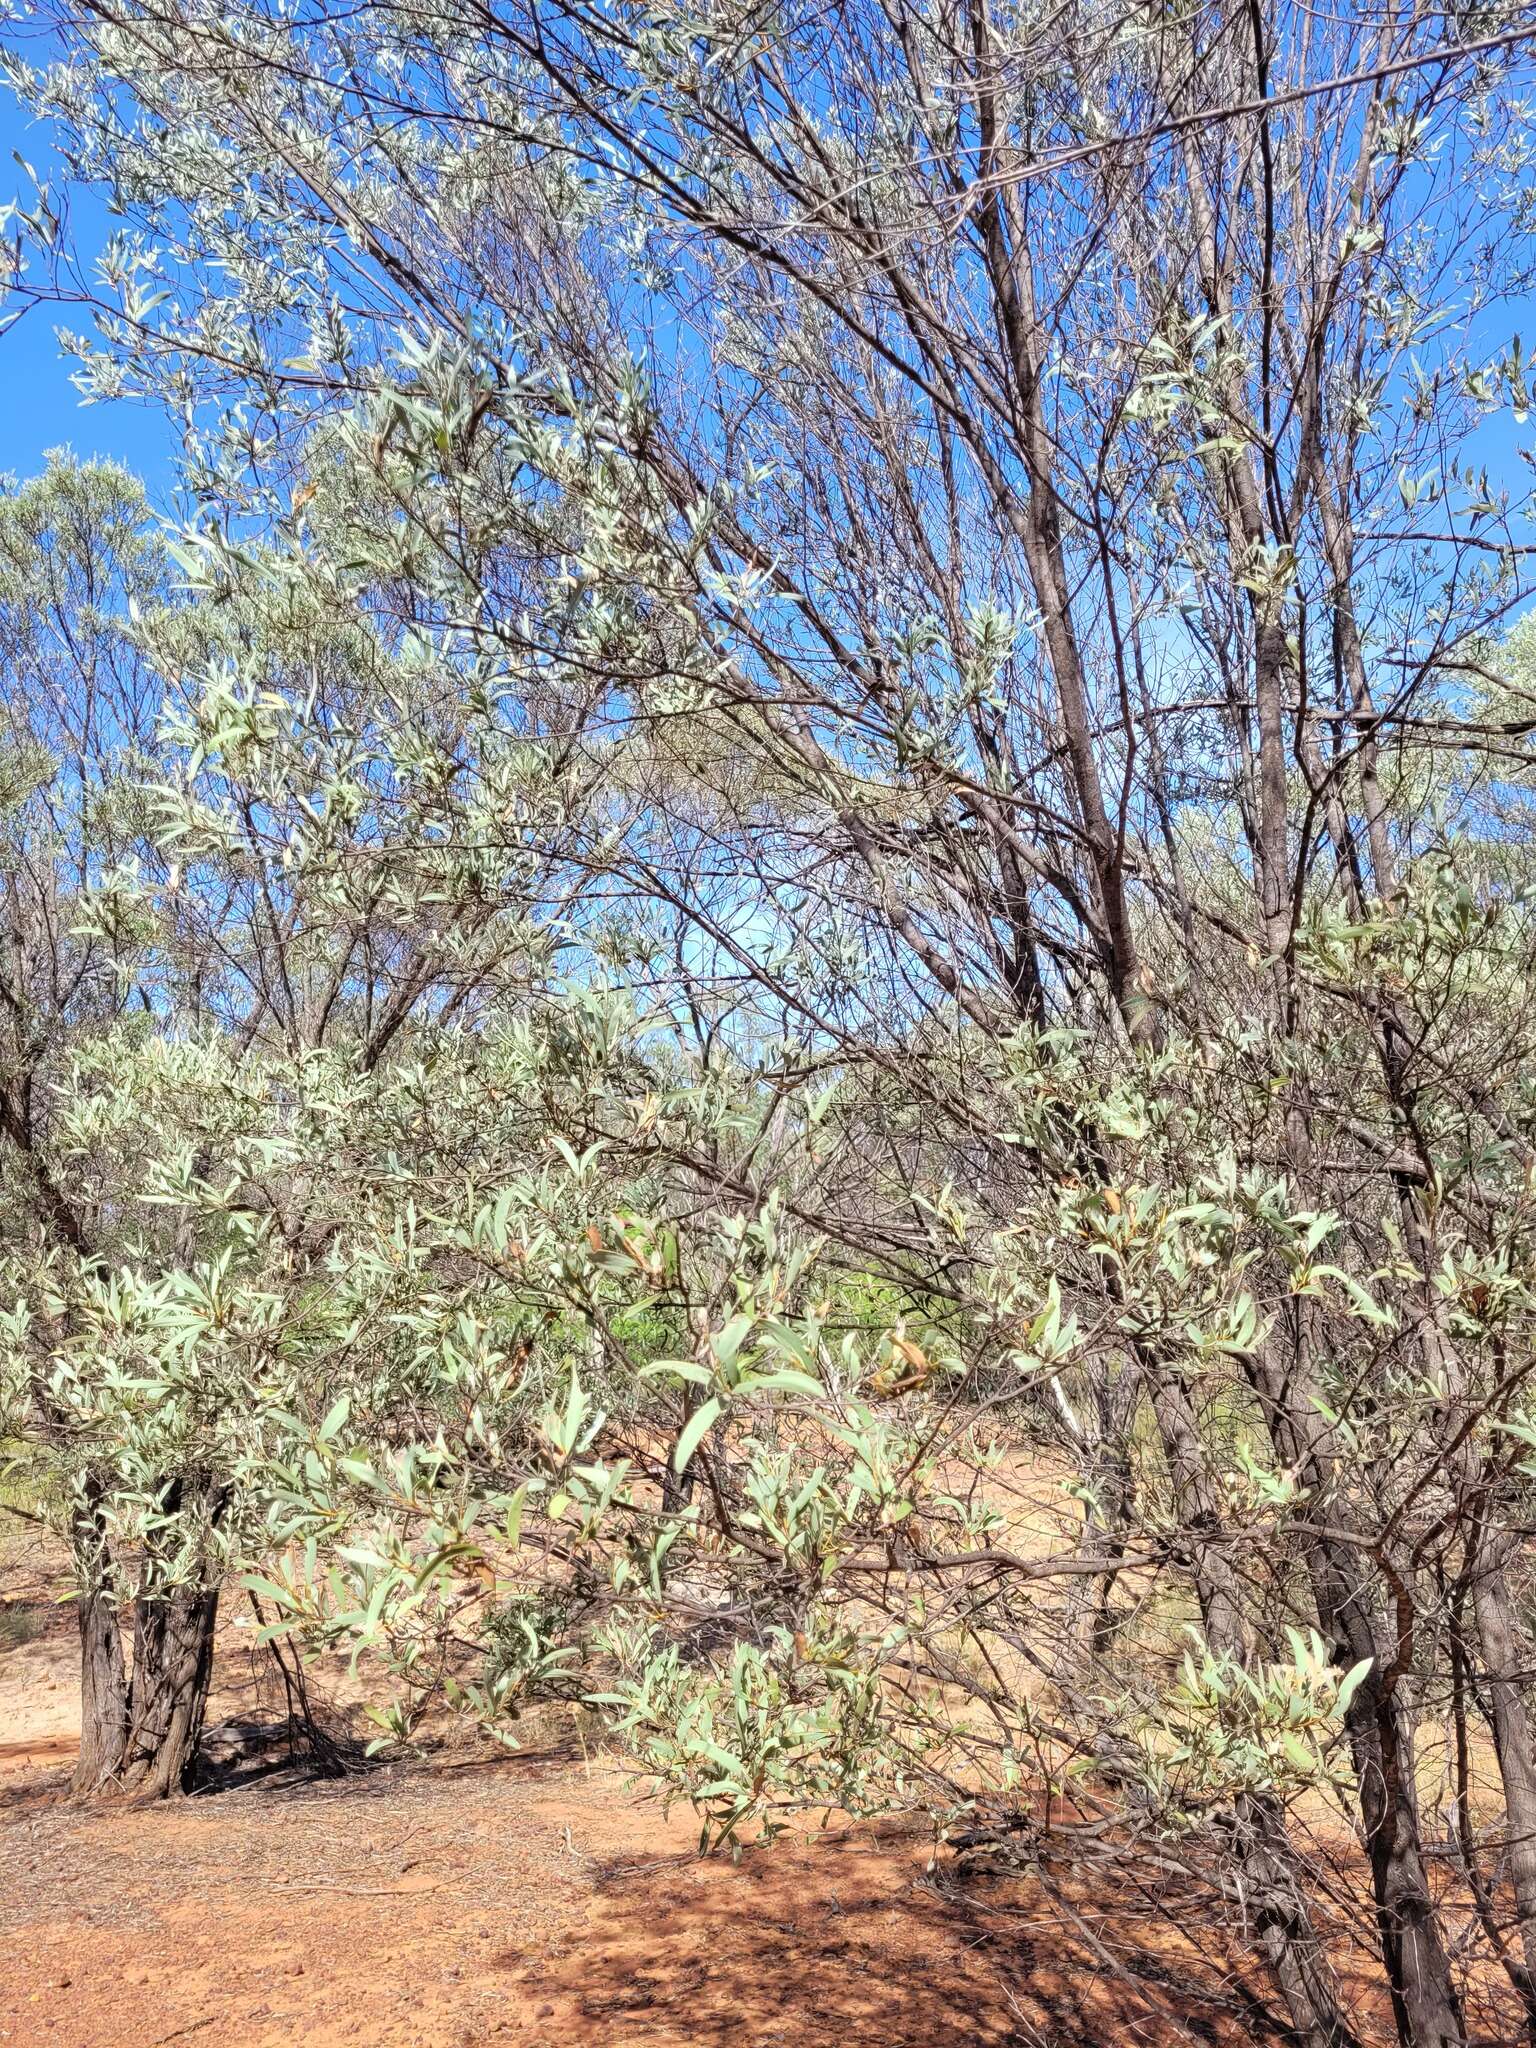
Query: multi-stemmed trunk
[141, 1721]
[141, 1714]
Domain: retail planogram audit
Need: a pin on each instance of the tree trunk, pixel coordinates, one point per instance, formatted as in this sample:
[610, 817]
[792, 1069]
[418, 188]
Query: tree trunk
[140, 1727]
[1283, 1923]
[1423, 1996]
[1424, 2001]
[172, 1668]
[139, 1740]
[1504, 1658]
[103, 1693]
[1102, 1430]
[1271, 1882]
[103, 1682]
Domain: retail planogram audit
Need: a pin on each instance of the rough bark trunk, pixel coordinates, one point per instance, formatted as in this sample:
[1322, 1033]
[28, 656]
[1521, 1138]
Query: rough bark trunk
[1424, 2000]
[103, 1694]
[140, 1722]
[139, 1730]
[168, 1692]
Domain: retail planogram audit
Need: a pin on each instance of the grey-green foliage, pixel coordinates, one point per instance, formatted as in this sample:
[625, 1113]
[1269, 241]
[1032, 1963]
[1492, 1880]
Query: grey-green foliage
[843, 789]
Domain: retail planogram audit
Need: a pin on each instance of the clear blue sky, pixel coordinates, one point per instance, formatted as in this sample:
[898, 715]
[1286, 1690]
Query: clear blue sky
[39, 407]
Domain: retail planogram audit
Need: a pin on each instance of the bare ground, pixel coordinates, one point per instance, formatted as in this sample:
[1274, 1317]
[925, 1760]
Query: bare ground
[477, 1899]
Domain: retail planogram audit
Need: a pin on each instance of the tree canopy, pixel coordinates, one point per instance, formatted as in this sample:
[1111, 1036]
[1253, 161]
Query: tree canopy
[775, 968]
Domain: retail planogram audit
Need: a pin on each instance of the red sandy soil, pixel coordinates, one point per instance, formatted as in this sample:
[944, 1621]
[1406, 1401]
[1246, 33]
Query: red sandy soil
[480, 1899]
